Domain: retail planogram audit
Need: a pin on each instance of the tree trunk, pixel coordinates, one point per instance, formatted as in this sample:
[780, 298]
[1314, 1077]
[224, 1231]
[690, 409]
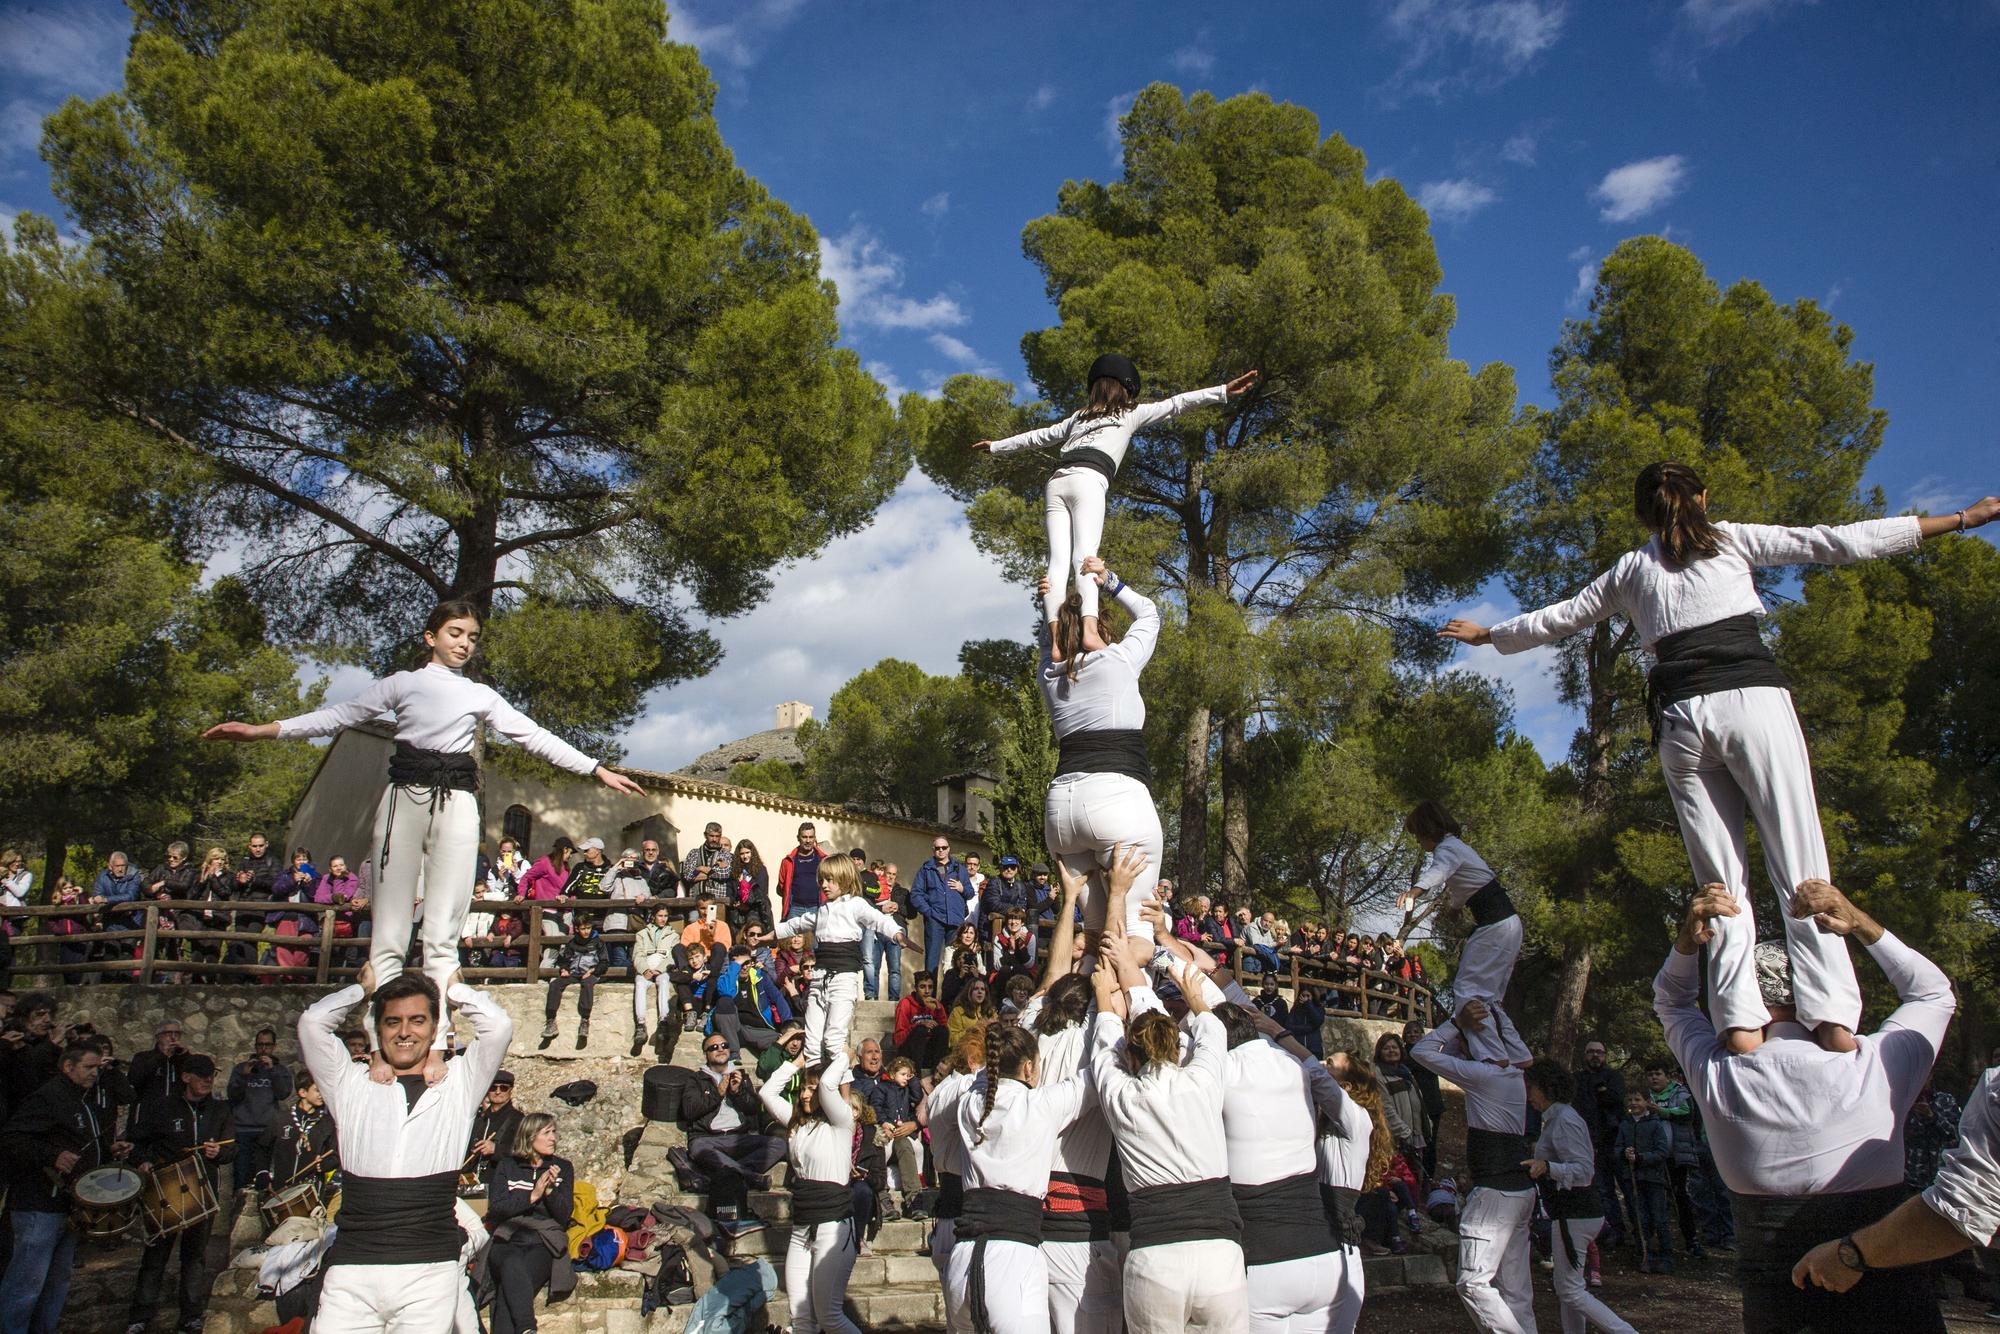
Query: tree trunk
[1573, 975]
[1235, 812]
[55, 845]
[1572, 981]
[1193, 859]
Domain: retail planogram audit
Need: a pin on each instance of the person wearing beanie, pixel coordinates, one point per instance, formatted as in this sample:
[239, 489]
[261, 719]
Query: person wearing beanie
[1809, 1141]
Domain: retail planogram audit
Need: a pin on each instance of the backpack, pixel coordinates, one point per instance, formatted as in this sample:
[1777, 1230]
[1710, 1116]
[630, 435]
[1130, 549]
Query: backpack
[672, 1284]
[663, 1089]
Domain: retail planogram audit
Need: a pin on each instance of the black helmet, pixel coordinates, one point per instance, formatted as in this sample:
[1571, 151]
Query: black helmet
[1118, 368]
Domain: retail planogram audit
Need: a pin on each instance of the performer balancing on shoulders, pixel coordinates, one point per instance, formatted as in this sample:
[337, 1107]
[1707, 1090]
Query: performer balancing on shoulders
[427, 826]
[1729, 742]
[1486, 961]
[1093, 441]
[395, 1263]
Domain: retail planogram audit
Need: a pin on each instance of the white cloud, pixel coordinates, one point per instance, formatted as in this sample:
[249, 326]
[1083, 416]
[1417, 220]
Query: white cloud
[937, 205]
[1195, 58]
[1539, 713]
[731, 35]
[867, 275]
[1519, 149]
[1114, 111]
[955, 349]
[910, 585]
[885, 374]
[1456, 44]
[1042, 98]
[1637, 188]
[1717, 22]
[1454, 201]
[65, 49]
[1934, 493]
[1833, 294]
[1579, 254]
[1586, 277]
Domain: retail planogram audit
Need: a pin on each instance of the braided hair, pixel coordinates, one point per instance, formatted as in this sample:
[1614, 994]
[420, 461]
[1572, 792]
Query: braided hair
[1009, 1051]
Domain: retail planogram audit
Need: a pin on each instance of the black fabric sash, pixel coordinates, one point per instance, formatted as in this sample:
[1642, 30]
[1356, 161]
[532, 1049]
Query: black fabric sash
[1706, 659]
[1495, 1159]
[993, 1215]
[1084, 456]
[951, 1195]
[838, 956]
[397, 1221]
[815, 1202]
[410, 766]
[1773, 1231]
[1078, 1208]
[1489, 904]
[1185, 1211]
[1279, 1217]
[1343, 1213]
[1573, 1202]
[1105, 750]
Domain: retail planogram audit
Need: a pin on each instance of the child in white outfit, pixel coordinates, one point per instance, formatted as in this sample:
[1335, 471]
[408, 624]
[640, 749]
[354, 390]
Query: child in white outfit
[836, 926]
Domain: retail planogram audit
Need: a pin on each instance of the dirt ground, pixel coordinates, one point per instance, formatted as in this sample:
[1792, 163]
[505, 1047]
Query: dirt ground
[1698, 1298]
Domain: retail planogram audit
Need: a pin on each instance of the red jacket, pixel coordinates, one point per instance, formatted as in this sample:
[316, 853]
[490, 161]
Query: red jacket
[907, 1010]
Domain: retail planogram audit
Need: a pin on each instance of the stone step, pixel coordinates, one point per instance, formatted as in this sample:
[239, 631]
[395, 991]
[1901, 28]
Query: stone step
[883, 1270]
[913, 1306]
[904, 1237]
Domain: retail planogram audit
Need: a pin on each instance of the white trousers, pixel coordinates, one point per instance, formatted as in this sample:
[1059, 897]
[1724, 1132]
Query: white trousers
[943, 1234]
[392, 1299]
[830, 1014]
[1353, 1282]
[428, 855]
[816, 1271]
[1580, 1306]
[1741, 752]
[1086, 1288]
[1084, 818]
[1187, 1285]
[1073, 513]
[1493, 1278]
[1017, 1288]
[662, 988]
[1485, 967]
[1295, 1296]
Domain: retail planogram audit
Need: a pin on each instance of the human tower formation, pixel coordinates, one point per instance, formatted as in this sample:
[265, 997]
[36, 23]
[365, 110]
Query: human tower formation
[1145, 1150]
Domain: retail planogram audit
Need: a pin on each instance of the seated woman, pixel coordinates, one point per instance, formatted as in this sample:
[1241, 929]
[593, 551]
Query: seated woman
[972, 1009]
[528, 1213]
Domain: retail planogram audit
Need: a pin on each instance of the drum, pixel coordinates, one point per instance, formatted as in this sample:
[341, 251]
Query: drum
[177, 1196]
[297, 1201]
[470, 1187]
[106, 1202]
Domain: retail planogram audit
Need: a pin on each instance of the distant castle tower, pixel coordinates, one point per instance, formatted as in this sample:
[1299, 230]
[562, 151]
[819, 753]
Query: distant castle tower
[793, 712]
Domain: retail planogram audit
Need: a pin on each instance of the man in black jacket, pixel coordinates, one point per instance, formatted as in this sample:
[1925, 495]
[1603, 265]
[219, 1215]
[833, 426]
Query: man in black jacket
[256, 873]
[32, 1052]
[1600, 1099]
[152, 1073]
[724, 1122]
[494, 1128]
[52, 1138]
[189, 1124]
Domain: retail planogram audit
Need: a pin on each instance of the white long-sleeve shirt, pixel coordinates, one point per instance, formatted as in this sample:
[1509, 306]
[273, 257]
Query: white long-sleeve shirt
[1269, 1126]
[840, 922]
[436, 708]
[1565, 1145]
[1966, 1192]
[1018, 1150]
[1791, 1118]
[941, 1115]
[1343, 1153]
[818, 1150]
[1110, 434]
[1660, 600]
[1084, 1148]
[1168, 1119]
[1105, 693]
[1496, 1098]
[1458, 868]
[380, 1133]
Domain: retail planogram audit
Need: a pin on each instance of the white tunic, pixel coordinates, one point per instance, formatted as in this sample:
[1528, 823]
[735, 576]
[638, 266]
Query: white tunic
[1019, 1144]
[1660, 600]
[1343, 1153]
[1269, 1124]
[1110, 434]
[1458, 868]
[1966, 1193]
[1084, 1149]
[1565, 1146]
[941, 1113]
[1105, 694]
[818, 1150]
[1496, 1099]
[436, 708]
[1791, 1118]
[1168, 1120]
[840, 922]
[380, 1133]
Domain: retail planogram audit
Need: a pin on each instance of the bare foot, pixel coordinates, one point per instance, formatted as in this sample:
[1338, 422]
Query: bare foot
[378, 1069]
[1836, 1037]
[1742, 1041]
[433, 1068]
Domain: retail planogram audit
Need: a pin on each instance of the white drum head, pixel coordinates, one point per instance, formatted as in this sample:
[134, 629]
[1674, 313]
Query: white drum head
[108, 1185]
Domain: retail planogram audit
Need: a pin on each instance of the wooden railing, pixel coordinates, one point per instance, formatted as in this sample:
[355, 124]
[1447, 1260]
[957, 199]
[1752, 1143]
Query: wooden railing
[1368, 988]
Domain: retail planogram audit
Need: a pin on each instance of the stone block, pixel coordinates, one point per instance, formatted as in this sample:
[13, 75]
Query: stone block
[1425, 1268]
[898, 1308]
[1383, 1271]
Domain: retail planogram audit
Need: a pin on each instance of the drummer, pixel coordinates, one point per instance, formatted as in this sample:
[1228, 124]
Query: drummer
[189, 1124]
[305, 1148]
[53, 1137]
[493, 1129]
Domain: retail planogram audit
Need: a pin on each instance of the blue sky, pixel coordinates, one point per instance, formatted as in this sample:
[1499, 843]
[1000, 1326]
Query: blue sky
[1844, 151]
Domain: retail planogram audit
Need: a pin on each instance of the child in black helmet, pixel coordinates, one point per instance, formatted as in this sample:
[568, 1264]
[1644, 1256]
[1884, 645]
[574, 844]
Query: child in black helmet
[1093, 441]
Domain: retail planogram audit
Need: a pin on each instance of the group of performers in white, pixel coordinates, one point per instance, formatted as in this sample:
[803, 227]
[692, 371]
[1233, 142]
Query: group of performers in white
[1111, 1163]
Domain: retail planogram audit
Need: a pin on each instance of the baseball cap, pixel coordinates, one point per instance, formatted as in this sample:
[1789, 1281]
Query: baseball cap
[505, 1077]
[589, 843]
[1010, 861]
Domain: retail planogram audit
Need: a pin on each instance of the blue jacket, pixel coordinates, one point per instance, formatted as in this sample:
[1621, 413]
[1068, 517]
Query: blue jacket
[932, 896]
[1000, 896]
[117, 889]
[1654, 1140]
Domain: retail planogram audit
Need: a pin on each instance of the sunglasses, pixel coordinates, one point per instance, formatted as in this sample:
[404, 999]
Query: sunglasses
[716, 1046]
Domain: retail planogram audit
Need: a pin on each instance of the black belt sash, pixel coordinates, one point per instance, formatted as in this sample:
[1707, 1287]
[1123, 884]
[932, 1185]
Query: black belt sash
[951, 1195]
[455, 771]
[1343, 1213]
[1567, 1204]
[1084, 456]
[1185, 1211]
[1723, 655]
[993, 1215]
[1490, 904]
[814, 1202]
[1773, 1231]
[1077, 1208]
[1495, 1159]
[1278, 1220]
[1105, 750]
[397, 1221]
[838, 956]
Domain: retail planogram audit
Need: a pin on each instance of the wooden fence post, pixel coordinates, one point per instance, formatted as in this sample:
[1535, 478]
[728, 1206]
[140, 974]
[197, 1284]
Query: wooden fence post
[150, 943]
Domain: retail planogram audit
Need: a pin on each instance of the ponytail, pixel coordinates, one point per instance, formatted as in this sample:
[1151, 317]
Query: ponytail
[1667, 499]
[1008, 1052]
[1069, 633]
[1109, 397]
